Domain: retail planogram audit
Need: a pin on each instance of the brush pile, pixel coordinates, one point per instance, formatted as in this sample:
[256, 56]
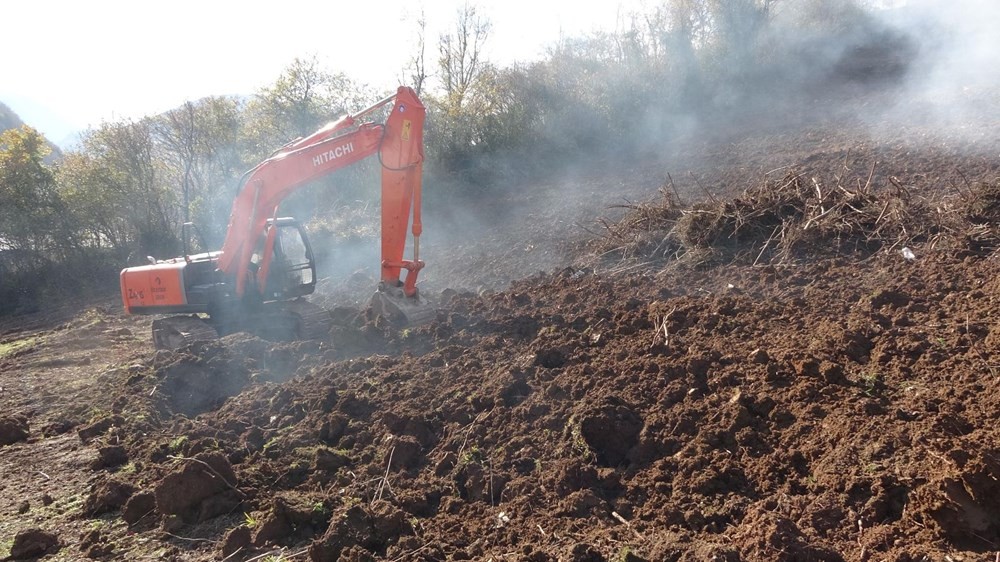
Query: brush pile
[795, 218]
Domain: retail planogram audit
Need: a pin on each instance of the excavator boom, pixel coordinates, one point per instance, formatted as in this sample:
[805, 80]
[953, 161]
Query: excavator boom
[399, 145]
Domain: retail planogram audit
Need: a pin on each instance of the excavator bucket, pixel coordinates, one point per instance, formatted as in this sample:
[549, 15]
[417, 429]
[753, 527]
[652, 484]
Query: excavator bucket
[390, 303]
[177, 331]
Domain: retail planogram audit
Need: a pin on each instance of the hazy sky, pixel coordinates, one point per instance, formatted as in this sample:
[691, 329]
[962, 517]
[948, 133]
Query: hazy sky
[68, 64]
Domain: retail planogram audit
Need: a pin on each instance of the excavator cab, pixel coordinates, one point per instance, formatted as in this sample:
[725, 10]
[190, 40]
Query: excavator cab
[285, 266]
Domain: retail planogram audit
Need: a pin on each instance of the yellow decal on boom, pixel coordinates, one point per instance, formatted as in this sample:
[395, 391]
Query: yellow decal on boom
[407, 125]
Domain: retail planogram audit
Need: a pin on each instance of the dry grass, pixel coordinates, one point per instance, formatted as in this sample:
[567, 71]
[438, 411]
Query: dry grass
[15, 346]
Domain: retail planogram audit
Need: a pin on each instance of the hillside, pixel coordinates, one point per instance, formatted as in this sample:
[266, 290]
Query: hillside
[10, 120]
[739, 364]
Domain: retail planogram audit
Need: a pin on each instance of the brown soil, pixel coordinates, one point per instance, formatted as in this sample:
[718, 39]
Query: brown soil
[799, 398]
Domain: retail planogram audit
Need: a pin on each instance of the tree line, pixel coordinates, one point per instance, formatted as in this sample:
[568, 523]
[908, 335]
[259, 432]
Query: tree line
[122, 194]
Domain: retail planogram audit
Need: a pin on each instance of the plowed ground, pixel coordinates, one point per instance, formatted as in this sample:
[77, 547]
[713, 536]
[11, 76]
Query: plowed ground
[624, 405]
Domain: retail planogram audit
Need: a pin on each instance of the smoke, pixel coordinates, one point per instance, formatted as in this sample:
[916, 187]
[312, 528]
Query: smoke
[605, 118]
[923, 62]
[918, 73]
[822, 84]
[954, 80]
[914, 64]
[344, 233]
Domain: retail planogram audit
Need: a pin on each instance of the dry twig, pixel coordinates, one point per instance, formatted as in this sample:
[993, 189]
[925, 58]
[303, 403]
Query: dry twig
[384, 482]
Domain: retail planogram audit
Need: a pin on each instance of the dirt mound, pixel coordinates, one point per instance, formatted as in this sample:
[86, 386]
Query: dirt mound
[808, 392]
[666, 408]
[201, 376]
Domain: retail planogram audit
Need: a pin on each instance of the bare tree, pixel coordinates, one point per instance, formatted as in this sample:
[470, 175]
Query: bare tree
[416, 71]
[460, 53]
[122, 176]
[691, 23]
[199, 145]
[740, 22]
[177, 132]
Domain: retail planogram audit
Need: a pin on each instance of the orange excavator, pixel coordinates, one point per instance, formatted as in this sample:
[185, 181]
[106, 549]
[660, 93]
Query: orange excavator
[257, 281]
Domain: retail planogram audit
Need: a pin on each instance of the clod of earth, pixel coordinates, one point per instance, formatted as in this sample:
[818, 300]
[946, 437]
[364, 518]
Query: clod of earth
[107, 495]
[200, 488]
[32, 543]
[236, 540]
[94, 544]
[291, 518]
[611, 430]
[13, 429]
[110, 457]
[99, 427]
[139, 506]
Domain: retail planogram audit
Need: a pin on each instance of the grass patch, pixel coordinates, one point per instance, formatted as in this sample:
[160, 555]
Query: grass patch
[250, 521]
[178, 443]
[72, 504]
[472, 455]
[13, 346]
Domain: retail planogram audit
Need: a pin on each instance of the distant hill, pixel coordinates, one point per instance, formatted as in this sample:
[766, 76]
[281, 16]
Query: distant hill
[10, 120]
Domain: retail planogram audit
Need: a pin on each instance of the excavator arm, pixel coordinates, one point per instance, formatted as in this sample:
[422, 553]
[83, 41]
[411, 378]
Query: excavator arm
[398, 143]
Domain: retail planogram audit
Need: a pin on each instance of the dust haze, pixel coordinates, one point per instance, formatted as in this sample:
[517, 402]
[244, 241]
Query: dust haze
[833, 76]
[951, 84]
